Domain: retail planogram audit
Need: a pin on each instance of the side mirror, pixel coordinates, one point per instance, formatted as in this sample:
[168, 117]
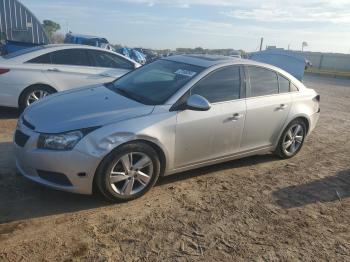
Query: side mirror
[197, 103]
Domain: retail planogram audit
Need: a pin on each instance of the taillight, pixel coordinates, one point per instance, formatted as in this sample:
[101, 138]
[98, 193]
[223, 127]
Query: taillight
[4, 71]
[317, 98]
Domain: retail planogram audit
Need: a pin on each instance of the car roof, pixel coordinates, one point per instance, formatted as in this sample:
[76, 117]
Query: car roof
[55, 47]
[199, 60]
[207, 61]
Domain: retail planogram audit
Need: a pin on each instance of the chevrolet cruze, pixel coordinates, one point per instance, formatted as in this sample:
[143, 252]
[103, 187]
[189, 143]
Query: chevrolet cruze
[175, 114]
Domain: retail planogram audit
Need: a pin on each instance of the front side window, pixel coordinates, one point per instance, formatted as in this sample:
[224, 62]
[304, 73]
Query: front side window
[284, 84]
[262, 81]
[155, 83]
[109, 60]
[75, 57]
[222, 85]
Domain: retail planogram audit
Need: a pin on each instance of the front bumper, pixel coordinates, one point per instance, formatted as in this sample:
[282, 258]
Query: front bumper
[79, 168]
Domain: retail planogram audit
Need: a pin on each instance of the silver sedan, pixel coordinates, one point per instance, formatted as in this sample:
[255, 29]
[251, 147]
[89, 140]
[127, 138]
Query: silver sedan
[176, 114]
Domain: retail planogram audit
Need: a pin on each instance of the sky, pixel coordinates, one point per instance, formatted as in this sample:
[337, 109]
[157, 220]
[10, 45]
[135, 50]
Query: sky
[237, 24]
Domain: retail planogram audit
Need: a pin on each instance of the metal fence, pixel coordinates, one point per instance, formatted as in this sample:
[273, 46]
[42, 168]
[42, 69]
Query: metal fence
[329, 61]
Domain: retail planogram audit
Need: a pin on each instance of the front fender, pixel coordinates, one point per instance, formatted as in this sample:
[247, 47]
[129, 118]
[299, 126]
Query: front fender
[158, 129]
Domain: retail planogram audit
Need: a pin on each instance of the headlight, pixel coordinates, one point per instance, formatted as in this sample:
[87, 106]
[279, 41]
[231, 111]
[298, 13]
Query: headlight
[64, 141]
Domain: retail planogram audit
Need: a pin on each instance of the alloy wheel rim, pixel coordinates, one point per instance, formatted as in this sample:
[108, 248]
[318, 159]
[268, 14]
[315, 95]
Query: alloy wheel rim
[293, 139]
[131, 173]
[35, 96]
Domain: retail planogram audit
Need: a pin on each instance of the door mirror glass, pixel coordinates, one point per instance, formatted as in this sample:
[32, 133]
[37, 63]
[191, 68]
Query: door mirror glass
[197, 103]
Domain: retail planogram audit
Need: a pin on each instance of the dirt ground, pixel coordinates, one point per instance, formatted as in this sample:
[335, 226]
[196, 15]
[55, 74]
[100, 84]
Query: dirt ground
[255, 209]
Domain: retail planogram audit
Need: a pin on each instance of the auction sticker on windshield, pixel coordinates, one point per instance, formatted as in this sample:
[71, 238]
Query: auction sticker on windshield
[185, 72]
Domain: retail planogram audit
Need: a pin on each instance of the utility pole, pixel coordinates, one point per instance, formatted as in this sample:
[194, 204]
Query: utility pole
[261, 43]
[304, 44]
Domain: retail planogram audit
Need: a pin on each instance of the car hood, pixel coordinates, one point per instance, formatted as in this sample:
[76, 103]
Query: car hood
[82, 108]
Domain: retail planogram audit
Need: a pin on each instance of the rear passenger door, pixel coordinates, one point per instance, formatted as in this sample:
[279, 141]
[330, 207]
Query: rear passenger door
[71, 68]
[109, 66]
[268, 105]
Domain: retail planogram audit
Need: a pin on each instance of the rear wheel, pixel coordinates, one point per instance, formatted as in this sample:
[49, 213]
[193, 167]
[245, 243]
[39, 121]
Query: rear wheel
[128, 172]
[33, 94]
[292, 139]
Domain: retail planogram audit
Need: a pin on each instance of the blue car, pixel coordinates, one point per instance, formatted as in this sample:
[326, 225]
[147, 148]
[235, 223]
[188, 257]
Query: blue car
[133, 54]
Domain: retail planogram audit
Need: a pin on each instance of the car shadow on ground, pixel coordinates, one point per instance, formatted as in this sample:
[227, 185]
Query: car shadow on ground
[21, 198]
[247, 161]
[328, 189]
[8, 113]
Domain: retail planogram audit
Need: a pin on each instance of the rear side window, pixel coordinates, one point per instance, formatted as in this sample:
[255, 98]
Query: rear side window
[109, 60]
[284, 84]
[43, 59]
[75, 57]
[262, 81]
[221, 85]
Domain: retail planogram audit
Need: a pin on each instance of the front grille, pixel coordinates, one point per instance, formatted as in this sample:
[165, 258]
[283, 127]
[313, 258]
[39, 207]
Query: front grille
[27, 124]
[20, 138]
[53, 177]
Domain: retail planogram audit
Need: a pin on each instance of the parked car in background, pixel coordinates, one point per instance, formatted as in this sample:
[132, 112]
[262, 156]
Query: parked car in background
[13, 46]
[88, 40]
[175, 114]
[133, 54]
[149, 54]
[31, 74]
[235, 54]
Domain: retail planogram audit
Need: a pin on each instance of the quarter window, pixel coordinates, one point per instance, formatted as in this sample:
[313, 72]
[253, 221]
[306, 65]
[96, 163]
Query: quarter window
[284, 84]
[75, 57]
[108, 60]
[43, 59]
[221, 85]
[262, 82]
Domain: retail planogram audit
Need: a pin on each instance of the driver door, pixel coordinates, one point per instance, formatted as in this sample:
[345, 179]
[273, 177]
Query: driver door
[206, 135]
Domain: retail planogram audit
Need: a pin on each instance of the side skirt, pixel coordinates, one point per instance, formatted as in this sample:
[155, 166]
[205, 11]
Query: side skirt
[239, 155]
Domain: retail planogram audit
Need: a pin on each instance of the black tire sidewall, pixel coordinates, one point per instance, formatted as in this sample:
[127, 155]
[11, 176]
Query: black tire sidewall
[107, 163]
[279, 151]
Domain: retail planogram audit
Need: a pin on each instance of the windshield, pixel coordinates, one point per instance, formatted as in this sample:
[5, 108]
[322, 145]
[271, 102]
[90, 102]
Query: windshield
[155, 83]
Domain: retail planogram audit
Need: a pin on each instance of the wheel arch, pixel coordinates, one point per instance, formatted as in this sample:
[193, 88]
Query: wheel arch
[31, 86]
[302, 117]
[155, 146]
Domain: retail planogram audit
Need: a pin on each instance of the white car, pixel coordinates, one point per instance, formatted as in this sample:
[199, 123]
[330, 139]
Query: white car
[31, 74]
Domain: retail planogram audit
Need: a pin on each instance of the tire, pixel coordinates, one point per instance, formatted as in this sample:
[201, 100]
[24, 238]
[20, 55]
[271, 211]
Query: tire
[115, 162]
[24, 98]
[283, 150]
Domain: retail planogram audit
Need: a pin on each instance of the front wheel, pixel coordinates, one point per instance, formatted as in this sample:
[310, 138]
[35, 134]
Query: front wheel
[128, 172]
[292, 139]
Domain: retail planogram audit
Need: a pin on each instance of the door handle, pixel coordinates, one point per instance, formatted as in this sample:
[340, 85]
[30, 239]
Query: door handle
[236, 116]
[105, 75]
[53, 70]
[282, 107]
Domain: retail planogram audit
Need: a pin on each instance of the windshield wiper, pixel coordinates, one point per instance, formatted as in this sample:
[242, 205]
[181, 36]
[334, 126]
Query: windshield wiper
[129, 95]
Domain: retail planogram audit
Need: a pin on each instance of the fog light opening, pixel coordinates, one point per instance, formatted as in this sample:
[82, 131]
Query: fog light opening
[83, 174]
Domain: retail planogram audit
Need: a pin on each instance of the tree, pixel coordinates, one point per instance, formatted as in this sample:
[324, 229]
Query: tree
[51, 27]
[57, 38]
